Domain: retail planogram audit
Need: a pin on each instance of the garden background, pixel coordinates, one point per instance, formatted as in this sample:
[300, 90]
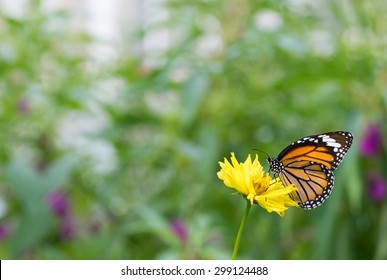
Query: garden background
[109, 145]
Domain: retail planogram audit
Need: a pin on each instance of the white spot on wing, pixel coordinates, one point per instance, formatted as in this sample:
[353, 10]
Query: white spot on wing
[331, 142]
[334, 144]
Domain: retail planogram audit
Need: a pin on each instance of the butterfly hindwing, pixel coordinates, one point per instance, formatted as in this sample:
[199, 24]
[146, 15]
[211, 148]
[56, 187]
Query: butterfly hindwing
[308, 164]
[314, 183]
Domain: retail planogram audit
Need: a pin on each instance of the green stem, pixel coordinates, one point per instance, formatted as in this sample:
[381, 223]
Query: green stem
[241, 227]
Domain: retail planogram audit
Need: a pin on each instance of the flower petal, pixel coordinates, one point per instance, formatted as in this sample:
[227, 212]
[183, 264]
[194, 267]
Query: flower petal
[249, 179]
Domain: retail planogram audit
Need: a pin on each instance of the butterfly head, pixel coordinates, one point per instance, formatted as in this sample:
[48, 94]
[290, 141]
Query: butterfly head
[275, 165]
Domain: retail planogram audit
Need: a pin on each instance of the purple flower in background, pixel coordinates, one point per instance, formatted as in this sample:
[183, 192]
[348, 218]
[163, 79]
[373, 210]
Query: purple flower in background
[59, 203]
[67, 228]
[179, 229]
[371, 141]
[94, 226]
[23, 106]
[4, 232]
[214, 238]
[377, 189]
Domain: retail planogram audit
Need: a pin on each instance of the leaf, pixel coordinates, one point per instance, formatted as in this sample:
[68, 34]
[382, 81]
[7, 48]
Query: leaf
[381, 250]
[192, 95]
[23, 179]
[32, 227]
[31, 185]
[59, 172]
[31, 188]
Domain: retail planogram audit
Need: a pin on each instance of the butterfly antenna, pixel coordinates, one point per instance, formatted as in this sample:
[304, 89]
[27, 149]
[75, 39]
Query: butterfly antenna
[268, 156]
[262, 152]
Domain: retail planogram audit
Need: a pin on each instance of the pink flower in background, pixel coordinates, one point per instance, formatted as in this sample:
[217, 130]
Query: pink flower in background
[24, 106]
[214, 238]
[4, 232]
[94, 226]
[371, 141]
[67, 228]
[179, 229]
[377, 189]
[59, 203]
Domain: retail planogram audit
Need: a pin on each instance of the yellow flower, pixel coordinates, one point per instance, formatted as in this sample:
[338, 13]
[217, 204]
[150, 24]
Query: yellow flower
[249, 179]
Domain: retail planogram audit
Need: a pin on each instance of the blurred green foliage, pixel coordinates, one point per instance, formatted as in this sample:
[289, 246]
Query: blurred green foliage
[131, 145]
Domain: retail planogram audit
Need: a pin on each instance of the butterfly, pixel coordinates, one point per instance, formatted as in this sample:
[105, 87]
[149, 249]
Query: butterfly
[308, 164]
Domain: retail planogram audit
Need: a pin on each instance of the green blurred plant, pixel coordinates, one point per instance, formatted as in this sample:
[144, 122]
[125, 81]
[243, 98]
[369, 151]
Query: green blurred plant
[229, 81]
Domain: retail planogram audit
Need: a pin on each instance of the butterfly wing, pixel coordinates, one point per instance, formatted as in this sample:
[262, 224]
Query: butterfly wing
[327, 149]
[308, 164]
[313, 181]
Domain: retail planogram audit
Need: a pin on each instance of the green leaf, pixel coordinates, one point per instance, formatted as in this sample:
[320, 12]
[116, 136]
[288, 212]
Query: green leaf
[192, 95]
[32, 227]
[381, 250]
[31, 187]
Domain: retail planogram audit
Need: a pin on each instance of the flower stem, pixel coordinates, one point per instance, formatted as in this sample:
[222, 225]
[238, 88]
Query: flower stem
[241, 227]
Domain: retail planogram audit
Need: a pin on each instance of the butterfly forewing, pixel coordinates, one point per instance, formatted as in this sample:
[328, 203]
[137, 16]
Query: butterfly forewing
[309, 163]
[326, 148]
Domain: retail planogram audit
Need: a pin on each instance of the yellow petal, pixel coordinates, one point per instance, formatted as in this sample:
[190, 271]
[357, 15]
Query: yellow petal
[249, 179]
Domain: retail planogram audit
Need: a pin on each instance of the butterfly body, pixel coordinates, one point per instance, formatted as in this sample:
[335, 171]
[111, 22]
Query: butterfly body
[308, 164]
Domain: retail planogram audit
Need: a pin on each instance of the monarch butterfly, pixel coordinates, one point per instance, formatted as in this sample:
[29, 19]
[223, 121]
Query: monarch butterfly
[309, 163]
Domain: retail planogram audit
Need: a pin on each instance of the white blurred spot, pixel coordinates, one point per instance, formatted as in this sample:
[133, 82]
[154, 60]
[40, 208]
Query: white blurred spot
[3, 207]
[353, 38]
[322, 43]
[162, 103]
[78, 131]
[211, 42]
[268, 21]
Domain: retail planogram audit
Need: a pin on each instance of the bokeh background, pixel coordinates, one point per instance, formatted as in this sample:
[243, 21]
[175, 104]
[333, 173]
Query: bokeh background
[114, 115]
